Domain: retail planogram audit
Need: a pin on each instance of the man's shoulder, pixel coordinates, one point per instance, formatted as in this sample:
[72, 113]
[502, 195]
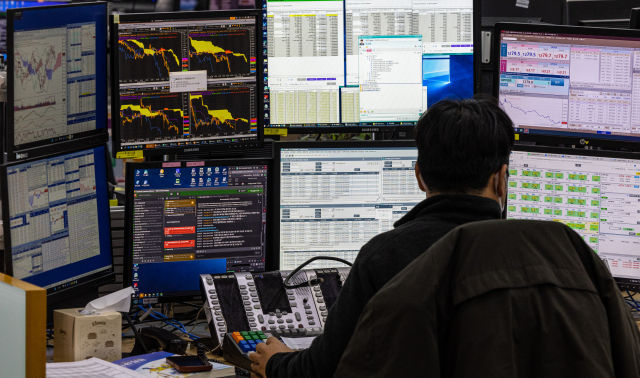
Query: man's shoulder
[407, 241]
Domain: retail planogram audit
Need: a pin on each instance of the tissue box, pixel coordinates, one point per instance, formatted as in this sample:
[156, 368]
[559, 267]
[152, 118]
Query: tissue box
[77, 336]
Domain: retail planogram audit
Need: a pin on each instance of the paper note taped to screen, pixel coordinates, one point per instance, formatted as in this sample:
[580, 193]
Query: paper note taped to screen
[188, 81]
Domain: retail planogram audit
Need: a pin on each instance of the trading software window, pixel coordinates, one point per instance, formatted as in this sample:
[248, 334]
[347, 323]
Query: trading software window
[333, 201]
[597, 197]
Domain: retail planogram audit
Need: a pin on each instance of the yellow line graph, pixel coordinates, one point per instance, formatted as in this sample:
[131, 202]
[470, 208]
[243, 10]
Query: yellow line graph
[206, 47]
[217, 116]
[151, 51]
[146, 111]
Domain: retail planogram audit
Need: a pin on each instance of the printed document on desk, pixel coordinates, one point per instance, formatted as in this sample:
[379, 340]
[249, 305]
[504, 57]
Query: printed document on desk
[92, 367]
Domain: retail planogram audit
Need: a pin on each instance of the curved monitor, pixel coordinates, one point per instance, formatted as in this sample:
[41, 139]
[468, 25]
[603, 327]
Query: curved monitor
[57, 79]
[186, 82]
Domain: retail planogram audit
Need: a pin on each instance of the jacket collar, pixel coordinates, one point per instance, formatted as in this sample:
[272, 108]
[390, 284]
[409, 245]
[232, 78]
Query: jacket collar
[454, 208]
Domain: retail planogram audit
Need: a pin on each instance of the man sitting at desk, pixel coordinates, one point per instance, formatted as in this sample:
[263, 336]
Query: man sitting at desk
[463, 153]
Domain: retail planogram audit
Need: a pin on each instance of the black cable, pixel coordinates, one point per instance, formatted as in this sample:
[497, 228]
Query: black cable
[312, 282]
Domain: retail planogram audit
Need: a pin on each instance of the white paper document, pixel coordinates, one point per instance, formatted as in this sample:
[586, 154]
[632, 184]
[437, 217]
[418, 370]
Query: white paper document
[298, 343]
[91, 368]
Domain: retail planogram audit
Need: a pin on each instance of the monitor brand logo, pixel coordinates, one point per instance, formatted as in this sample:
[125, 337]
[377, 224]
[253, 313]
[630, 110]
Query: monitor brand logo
[191, 149]
[22, 156]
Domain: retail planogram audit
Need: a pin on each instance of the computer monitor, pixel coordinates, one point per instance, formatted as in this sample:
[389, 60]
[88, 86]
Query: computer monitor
[593, 192]
[57, 84]
[599, 13]
[184, 219]
[4, 5]
[365, 65]
[333, 197]
[186, 82]
[547, 11]
[55, 217]
[634, 23]
[569, 85]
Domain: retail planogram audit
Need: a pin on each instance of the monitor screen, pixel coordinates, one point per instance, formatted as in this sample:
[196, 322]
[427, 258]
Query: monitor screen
[595, 194]
[335, 197]
[56, 219]
[355, 64]
[4, 5]
[194, 218]
[570, 82]
[57, 83]
[186, 82]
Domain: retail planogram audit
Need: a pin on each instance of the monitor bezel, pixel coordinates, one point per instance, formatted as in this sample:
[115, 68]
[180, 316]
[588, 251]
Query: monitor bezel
[128, 223]
[92, 137]
[578, 139]
[114, 20]
[65, 293]
[623, 283]
[274, 259]
[477, 88]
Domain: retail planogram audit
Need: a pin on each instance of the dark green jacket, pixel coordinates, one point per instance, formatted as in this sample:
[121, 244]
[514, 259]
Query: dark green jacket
[499, 299]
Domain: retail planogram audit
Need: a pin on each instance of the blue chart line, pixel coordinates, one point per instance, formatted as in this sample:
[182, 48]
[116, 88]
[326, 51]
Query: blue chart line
[527, 112]
[37, 196]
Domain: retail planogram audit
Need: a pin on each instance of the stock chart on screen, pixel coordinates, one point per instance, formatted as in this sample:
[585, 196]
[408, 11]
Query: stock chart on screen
[153, 115]
[563, 82]
[57, 72]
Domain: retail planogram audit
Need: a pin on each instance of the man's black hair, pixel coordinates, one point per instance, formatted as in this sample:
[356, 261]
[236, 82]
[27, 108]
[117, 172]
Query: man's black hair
[461, 143]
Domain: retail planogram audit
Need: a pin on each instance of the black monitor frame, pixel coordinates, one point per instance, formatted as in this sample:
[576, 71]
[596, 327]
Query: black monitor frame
[623, 283]
[88, 285]
[128, 223]
[579, 138]
[182, 16]
[92, 137]
[332, 129]
[598, 12]
[273, 261]
[634, 23]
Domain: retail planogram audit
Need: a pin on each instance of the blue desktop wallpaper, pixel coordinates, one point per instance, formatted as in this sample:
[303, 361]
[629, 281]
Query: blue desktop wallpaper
[447, 76]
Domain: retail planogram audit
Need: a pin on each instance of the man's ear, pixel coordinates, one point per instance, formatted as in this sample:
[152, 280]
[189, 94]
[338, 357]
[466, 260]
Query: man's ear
[421, 183]
[501, 183]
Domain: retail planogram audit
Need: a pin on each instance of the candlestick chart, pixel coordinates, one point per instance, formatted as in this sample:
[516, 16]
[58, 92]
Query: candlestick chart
[149, 56]
[221, 111]
[221, 52]
[149, 116]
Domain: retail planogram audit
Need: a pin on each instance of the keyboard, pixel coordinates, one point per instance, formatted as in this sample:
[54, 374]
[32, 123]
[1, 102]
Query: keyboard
[236, 346]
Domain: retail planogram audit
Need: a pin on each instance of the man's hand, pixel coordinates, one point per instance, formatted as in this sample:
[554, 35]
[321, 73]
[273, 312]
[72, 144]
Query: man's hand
[264, 352]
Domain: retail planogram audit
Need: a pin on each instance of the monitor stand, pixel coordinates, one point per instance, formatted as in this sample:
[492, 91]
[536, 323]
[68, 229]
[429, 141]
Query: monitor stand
[79, 301]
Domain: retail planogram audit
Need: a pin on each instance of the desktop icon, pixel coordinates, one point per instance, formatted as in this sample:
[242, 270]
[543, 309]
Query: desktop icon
[138, 182]
[162, 171]
[145, 182]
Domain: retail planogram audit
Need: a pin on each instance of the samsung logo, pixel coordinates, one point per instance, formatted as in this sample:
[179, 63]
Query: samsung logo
[22, 156]
[191, 149]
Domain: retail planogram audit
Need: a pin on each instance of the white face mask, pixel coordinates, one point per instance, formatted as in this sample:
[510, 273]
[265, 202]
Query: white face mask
[506, 180]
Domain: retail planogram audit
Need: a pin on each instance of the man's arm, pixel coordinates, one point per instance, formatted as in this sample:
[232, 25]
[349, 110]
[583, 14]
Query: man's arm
[322, 358]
